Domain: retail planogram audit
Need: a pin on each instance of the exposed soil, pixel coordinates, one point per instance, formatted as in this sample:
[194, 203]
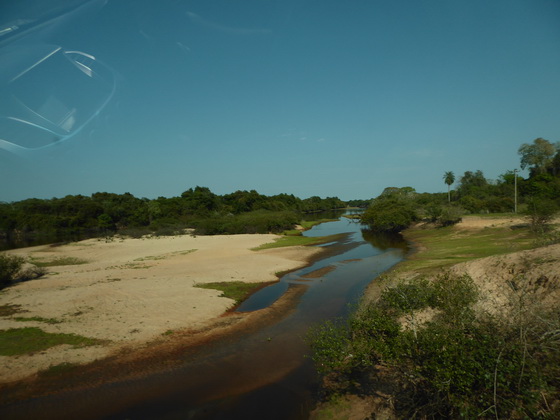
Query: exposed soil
[137, 295]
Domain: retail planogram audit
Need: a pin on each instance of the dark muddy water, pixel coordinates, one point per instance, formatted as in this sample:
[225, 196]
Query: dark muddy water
[254, 375]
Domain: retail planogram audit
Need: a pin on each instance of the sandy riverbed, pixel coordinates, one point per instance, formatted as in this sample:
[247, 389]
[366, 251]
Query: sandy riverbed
[131, 291]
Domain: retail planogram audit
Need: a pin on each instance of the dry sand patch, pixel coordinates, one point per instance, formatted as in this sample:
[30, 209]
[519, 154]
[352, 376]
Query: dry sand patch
[132, 290]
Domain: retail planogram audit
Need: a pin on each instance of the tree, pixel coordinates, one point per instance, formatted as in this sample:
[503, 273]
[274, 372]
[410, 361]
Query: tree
[389, 215]
[538, 155]
[554, 167]
[398, 192]
[473, 183]
[201, 201]
[105, 222]
[449, 179]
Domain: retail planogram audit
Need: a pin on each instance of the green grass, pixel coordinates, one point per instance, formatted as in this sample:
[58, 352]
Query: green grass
[236, 290]
[299, 241]
[306, 225]
[442, 247]
[37, 319]
[58, 262]
[17, 341]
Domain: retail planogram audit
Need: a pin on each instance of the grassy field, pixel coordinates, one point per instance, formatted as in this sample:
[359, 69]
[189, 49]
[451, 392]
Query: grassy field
[236, 290]
[442, 247]
[306, 225]
[299, 241]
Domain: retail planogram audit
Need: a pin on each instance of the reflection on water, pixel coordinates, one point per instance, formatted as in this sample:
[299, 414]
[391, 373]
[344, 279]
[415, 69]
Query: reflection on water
[358, 245]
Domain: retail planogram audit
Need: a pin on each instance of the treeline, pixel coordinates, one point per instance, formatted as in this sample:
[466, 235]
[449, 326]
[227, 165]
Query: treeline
[537, 196]
[197, 208]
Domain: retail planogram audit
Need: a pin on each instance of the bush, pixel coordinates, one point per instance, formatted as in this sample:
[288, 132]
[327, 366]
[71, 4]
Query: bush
[389, 215]
[31, 273]
[540, 212]
[455, 365]
[472, 204]
[10, 265]
[450, 215]
[433, 212]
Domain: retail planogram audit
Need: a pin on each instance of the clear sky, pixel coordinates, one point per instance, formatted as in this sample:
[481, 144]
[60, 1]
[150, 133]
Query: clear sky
[306, 97]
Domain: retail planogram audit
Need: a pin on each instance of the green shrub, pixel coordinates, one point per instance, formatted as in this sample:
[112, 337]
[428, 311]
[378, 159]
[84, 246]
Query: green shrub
[540, 212]
[10, 265]
[433, 212]
[472, 204]
[450, 215]
[331, 350]
[389, 215]
[408, 296]
[31, 273]
[458, 364]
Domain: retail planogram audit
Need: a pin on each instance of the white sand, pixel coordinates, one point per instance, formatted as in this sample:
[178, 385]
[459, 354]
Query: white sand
[134, 290]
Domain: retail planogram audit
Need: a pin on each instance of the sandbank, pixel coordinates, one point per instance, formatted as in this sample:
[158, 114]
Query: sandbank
[132, 291]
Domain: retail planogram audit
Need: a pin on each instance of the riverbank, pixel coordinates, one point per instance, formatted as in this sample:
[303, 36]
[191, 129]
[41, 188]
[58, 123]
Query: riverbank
[501, 257]
[127, 294]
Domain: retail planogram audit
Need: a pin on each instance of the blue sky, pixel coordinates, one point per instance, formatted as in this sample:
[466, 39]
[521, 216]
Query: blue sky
[307, 97]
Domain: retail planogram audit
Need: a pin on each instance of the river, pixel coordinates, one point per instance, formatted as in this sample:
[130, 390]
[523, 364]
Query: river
[258, 374]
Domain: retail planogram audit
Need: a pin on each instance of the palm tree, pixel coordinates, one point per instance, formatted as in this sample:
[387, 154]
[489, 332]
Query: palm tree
[449, 178]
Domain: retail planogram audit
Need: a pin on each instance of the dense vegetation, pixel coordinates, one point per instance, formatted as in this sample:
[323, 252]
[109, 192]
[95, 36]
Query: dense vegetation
[422, 341]
[446, 359]
[538, 195]
[199, 208]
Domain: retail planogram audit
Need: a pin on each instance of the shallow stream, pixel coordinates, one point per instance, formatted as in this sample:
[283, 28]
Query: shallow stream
[258, 374]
